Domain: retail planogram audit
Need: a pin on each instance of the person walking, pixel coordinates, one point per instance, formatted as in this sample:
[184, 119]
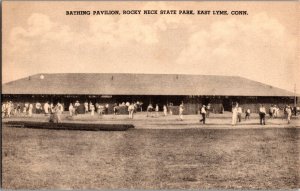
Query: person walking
[203, 113]
[234, 114]
[262, 114]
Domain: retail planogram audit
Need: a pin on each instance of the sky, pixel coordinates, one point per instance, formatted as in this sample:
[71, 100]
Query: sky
[38, 37]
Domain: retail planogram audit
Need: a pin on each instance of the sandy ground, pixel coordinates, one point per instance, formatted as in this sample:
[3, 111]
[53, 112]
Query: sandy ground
[214, 156]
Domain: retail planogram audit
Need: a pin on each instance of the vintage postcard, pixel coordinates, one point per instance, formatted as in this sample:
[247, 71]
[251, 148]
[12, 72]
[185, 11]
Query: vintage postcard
[150, 95]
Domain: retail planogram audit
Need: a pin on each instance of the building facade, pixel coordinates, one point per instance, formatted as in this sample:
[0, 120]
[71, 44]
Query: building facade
[221, 92]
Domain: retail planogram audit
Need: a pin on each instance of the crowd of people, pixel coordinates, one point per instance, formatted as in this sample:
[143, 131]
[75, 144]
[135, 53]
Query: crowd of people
[102, 109]
[274, 110]
[9, 108]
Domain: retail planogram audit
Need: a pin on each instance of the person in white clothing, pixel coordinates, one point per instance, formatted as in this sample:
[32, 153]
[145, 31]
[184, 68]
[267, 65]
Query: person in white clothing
[92, 108]
[131, 110]
[181, 109]
[149, 110]
[234, 114]
[203, 113]
[46, 108]
[262, 115]
[59, 110]
[239, 113]
[71, 109]
[156, 110]
[86, 107]
[289, 114]
[30, 107]
[165, 110]
[3, 110]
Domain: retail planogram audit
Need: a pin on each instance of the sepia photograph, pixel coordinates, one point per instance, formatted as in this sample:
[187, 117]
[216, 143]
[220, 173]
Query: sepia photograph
[150, 95]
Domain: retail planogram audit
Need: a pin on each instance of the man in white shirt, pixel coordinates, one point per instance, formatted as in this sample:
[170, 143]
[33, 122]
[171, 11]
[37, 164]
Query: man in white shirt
[203, 113]
[262, 115]
[289, 114]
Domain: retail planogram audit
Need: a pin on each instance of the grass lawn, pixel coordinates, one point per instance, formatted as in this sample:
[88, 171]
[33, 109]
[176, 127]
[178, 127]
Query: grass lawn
[151, 158]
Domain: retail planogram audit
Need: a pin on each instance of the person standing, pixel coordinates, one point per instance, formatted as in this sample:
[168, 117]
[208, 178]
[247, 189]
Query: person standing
[234, 114]
[208, 108]
[8, 108]
[289, 114]
[52, 109]
[239, 113]
[38, 107]
[101, 109]
[271, 111]
[76, 106]
[262, 114]
[295, 110]
[203, 113]
[181, 109]
[26, 107]
[71, 109]
[18, 108]
[276, 111]
[247, 114]
[156, 110]
[46, 108]
[92, 108]
[131, 110]
[30, 107]
[3, 110]
[165, 110]
[106, 108]
[116, 108]
[59, 110]
[86, 107]
[149, 110]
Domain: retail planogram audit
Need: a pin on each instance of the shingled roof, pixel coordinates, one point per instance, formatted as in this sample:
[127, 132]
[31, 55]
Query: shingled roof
[140, 84]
